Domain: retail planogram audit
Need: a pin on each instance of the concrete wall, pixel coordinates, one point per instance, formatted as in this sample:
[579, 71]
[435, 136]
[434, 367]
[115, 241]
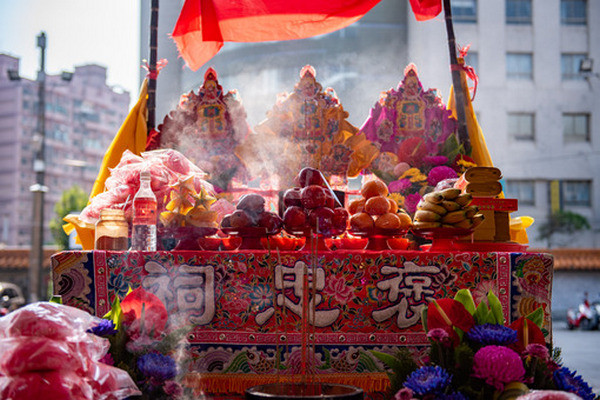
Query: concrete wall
[568, 288]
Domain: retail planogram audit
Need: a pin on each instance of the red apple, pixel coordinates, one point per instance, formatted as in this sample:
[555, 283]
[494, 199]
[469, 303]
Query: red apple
[240, 219]
[271, 221]
[310, 176]
[330, 199]
[340, 219]
[294, 219]
[251, 202]
[313, 196]
[292, 197]
[321, 219]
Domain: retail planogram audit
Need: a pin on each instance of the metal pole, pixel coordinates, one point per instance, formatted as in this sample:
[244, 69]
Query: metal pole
[459, 95]
[152, 73]
[37, 282]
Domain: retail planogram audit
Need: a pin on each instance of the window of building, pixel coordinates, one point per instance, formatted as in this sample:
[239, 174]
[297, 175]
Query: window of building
[569, 66]
[519, 66]
[576, 127]
[518, 12]
[523, 190]
[573, 12]
[472, 59]
[521, 126]
[576, 193]
[464, 11]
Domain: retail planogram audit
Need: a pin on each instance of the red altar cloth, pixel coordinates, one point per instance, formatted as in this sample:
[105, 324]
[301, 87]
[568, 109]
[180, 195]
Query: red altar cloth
[246, 306]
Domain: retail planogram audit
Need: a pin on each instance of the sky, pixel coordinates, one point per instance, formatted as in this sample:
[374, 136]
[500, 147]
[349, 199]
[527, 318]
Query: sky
[103, 32]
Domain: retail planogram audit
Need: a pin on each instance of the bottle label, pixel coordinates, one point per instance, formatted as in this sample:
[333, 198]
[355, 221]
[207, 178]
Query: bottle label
[144, 211]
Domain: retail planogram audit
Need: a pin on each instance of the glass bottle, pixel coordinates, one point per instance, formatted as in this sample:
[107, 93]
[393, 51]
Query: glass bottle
[143, 237]
[112, 231]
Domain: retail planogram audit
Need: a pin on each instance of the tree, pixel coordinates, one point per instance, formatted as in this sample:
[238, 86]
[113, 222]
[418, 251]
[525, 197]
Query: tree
[562, 222]
[72, 200]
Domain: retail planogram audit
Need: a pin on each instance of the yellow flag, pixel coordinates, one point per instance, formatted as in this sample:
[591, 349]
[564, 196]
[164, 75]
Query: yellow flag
[131, 136]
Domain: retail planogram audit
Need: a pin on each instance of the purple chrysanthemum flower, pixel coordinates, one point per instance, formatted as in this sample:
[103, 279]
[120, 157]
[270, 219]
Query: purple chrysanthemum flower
[157, 366]
[428, 380]
[492, 334]
[104, 328]
[569, 382]
[440, 173]
[498, 365]
[411, 201]
[399, 186]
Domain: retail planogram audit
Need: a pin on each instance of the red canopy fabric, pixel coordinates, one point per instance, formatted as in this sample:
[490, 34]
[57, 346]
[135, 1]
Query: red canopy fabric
[204, 25]
[426, 9]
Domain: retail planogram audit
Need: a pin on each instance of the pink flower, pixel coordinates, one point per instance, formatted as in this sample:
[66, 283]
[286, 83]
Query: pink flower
[337, 288]
[107, 359]
[400, 185]
[441, 336]
[498, 365]
[172, 388]
[404, 394]
[548, 395]
[537, 350]
[436, 160]
[440, 173]
[411, 201]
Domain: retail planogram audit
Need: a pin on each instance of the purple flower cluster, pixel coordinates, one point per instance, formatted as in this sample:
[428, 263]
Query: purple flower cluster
[568, 381]
[104, 328]
[492, 334]
[428, 380]
[157, 366]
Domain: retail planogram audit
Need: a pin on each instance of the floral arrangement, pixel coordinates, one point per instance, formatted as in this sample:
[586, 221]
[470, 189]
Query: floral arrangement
[474, 355]
[143, 344]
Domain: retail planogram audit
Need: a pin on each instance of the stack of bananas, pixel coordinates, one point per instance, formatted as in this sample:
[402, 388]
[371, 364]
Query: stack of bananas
[447, 208]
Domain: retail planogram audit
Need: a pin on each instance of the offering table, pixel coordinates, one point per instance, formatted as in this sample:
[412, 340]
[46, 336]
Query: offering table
[256, 319]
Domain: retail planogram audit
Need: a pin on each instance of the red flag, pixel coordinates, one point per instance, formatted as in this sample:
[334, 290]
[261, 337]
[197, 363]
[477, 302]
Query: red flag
[204, 25]
[426, 9]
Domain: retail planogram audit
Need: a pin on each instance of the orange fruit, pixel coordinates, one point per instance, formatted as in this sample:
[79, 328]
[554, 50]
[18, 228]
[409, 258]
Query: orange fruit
[377, 205]
[361, 222]
[388, 221]
[405, 220]
[356, 206]
[374, 188]
[393, 205]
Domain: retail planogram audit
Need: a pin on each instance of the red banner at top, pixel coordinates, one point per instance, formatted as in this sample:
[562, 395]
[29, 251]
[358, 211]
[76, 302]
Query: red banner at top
[204, 25]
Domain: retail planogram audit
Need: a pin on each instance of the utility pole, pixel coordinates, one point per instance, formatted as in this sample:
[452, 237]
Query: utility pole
[37, 281]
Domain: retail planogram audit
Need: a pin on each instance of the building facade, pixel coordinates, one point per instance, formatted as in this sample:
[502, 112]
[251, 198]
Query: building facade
[540, 114]
[82, 117]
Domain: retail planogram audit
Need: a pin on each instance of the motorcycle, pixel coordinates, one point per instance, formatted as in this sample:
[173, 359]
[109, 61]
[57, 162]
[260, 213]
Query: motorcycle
[587, 316]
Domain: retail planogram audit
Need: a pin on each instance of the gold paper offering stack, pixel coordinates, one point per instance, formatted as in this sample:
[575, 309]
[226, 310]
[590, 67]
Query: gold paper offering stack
[483, 183]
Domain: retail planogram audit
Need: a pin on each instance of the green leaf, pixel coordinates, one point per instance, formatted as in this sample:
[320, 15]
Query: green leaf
[537, 316]
[496, 308]
[115, 314]
[424, 318]
[55, 299]
[482, 314]
[464, 297]
[389, 360]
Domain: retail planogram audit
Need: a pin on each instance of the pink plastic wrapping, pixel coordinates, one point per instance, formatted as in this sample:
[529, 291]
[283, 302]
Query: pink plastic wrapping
[46, 352]
[166, 168]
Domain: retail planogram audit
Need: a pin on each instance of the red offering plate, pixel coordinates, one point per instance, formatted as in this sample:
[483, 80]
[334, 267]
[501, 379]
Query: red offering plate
[186, 237]
[378, 237]
[314, 241]
[442, 239]
[251, 236]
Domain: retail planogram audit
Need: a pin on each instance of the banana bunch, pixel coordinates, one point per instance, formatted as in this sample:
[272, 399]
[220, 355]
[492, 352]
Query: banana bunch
[447, 208]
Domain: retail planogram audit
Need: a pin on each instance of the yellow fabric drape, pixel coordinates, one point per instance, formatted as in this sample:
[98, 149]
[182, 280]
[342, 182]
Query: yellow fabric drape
[131, 136]
[481, 155]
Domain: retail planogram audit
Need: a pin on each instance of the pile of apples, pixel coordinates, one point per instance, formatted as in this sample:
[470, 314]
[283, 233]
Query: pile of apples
[250, 213]
[377, 212]
[312, 206]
